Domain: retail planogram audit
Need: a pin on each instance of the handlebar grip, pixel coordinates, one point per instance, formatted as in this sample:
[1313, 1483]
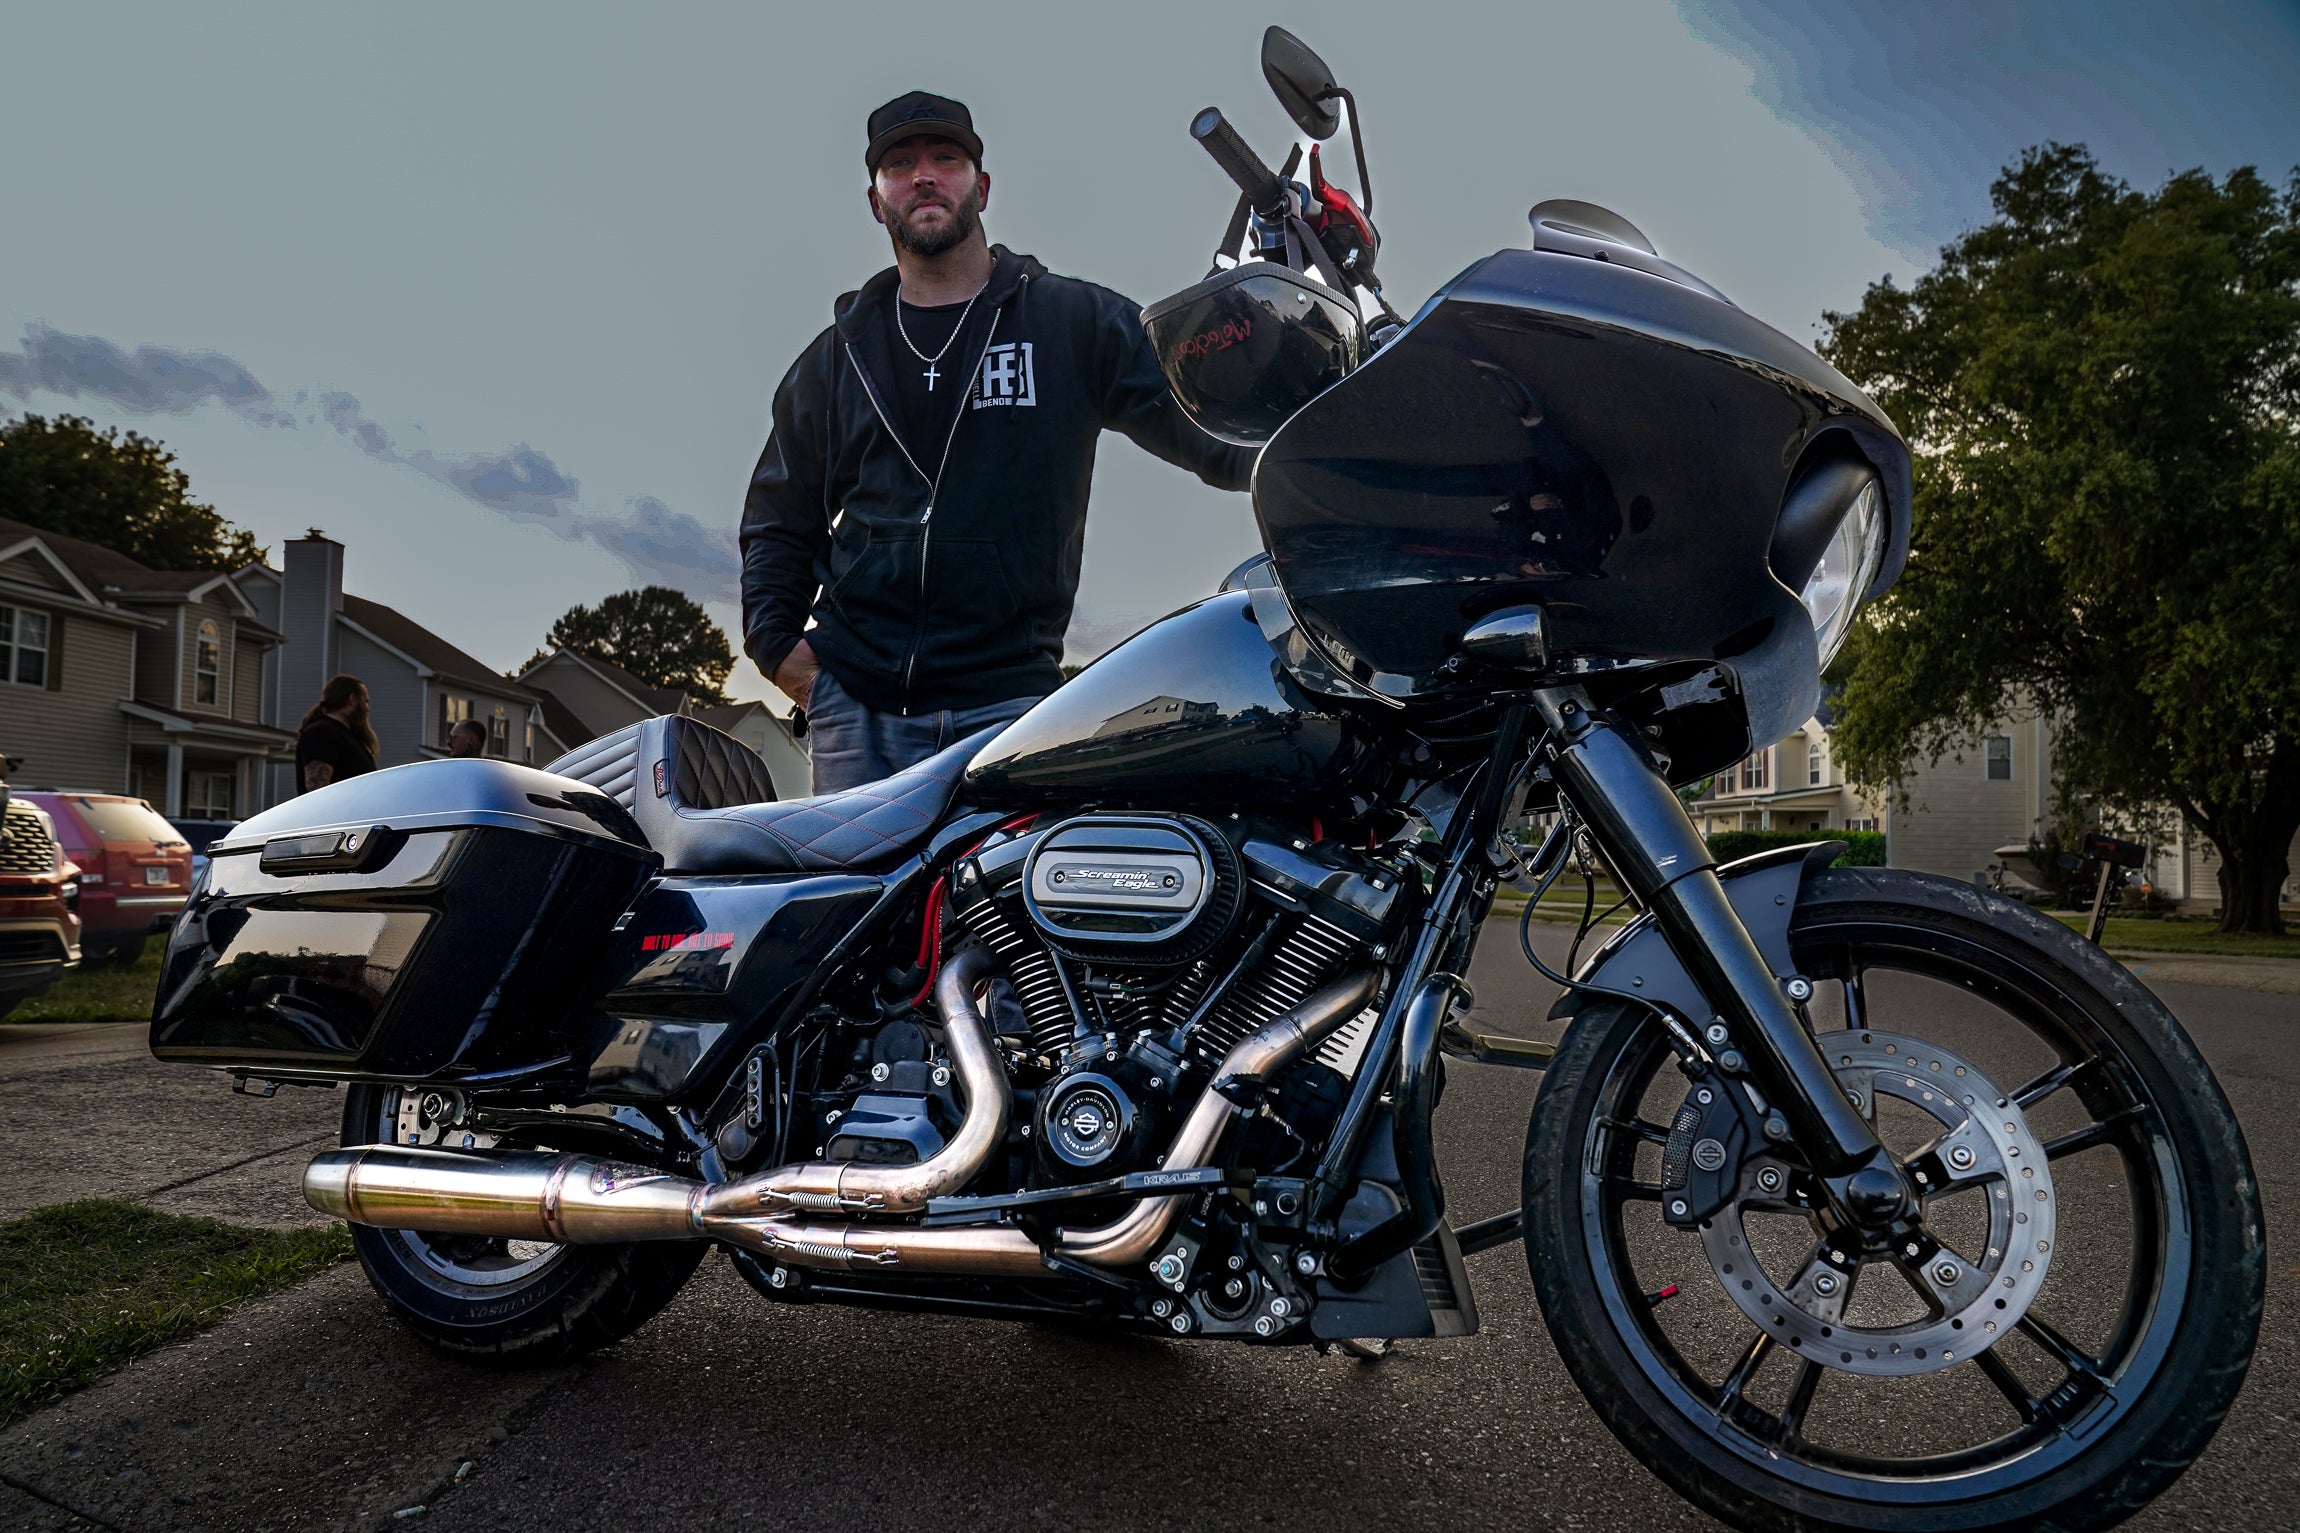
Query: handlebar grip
[1262, 188]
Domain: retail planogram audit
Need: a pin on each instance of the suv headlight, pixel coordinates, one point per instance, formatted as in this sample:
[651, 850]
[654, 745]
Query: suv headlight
[1855, 549]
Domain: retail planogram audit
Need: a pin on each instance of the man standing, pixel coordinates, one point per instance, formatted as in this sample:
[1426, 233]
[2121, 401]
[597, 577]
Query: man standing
[922, 497]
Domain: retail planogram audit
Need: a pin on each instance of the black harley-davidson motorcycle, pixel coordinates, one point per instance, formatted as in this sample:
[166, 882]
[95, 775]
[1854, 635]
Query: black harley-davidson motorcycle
[1137, 1012]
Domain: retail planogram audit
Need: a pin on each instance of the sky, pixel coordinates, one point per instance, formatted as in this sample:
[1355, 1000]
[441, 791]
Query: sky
[497, 295]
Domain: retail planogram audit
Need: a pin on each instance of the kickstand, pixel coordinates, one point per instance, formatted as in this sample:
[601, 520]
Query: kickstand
[1371, 1349]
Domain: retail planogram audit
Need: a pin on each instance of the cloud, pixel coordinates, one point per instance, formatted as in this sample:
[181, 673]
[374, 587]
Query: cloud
[652, 541]
[154, 380]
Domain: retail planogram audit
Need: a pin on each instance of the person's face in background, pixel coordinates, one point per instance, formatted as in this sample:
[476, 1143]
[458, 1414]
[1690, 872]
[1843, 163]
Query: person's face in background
[466, 739]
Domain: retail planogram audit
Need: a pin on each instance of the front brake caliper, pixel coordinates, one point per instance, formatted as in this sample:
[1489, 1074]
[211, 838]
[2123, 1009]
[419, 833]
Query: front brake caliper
[1715, 1129]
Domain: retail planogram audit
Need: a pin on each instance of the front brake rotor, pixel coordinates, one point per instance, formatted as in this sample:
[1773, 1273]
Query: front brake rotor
[1972, 1299]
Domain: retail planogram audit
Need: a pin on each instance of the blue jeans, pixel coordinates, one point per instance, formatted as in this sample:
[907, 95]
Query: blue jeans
[851, 745]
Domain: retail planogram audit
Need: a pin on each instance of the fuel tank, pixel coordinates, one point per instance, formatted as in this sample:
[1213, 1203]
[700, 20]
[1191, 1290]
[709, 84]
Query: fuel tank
[1194, 711]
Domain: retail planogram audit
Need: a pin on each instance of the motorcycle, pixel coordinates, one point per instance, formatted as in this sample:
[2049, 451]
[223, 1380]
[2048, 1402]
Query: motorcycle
[1136, 1013]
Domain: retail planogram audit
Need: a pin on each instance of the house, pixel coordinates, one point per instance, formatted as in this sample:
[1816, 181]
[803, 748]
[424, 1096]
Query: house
[419, 685]
[586, 697]
[119, 678]
[1958, 813]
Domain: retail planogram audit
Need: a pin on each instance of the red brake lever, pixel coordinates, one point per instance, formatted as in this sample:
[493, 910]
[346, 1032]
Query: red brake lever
[1339, 203]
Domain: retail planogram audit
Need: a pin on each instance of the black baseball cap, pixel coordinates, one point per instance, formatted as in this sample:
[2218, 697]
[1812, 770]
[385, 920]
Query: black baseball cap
[920, 112]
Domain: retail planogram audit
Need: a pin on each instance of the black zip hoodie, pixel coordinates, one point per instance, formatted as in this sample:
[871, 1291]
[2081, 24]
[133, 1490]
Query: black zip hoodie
[941, 574]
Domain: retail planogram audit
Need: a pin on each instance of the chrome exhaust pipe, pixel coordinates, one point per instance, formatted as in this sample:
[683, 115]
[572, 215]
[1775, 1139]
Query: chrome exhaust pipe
[582, 1200]
[850, 1186]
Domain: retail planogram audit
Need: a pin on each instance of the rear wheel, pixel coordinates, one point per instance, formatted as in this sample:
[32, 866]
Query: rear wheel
[516, 1302]
[2066, 1349]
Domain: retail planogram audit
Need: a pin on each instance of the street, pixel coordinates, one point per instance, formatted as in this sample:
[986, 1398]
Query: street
[312, 1409]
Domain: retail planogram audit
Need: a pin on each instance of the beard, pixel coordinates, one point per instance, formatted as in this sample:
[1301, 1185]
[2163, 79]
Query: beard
[965, 218]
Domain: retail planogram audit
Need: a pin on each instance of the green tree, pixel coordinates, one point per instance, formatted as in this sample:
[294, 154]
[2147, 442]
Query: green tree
[662, 636]
[121, 491]
[2102, 387]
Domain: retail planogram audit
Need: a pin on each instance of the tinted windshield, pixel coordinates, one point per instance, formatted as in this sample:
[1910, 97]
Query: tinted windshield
[125, 819]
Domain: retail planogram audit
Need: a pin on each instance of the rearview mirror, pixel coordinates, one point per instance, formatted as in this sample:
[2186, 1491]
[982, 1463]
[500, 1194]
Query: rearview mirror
[1302, 83]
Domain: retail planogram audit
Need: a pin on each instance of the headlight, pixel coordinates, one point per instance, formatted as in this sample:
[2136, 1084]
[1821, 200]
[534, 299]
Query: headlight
[1833, 594]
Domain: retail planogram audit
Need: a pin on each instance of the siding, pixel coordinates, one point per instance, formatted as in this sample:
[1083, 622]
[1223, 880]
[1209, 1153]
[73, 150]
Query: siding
[30, 569]
[395, 695]
[247, 681]
[594, 702]
[1957, 818]
[156, 658]
[76, 737]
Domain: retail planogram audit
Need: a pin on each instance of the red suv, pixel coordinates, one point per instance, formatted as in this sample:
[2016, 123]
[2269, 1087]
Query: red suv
[135, 868]
[39, 894]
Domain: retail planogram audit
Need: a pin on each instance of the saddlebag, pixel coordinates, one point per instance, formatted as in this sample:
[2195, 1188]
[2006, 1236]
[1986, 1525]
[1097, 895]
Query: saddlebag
[440, 921]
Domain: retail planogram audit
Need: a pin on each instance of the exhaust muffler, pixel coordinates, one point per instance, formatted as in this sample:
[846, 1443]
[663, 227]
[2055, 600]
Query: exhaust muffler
[586, 1200]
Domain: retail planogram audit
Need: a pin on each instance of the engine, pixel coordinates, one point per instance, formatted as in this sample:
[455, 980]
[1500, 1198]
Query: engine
[1141, 948]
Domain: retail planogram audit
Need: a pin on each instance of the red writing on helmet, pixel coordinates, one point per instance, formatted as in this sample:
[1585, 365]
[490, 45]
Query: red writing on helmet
[1223, 336]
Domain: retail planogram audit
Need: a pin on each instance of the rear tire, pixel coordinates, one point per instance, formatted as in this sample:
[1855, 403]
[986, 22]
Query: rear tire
[2158, 1389]
[513, 1304]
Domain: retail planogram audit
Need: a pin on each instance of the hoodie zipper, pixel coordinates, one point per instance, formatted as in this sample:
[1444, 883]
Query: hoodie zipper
[933, 483]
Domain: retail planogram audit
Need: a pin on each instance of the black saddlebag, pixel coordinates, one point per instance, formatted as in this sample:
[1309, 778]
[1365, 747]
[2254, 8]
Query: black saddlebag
[441, 921]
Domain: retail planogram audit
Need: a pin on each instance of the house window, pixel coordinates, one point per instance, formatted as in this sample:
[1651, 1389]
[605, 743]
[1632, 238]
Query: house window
[208, 795]
[452, 711]
[527, 752]
[1753, 773]
[1813, 771]
[499, 732]
[1865, 824]
[1998, 753]
[23, 647]
[208, 663]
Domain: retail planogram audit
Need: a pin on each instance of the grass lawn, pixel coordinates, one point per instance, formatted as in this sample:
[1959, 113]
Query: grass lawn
[91, 993]
[2126, 935]
[86, 1287]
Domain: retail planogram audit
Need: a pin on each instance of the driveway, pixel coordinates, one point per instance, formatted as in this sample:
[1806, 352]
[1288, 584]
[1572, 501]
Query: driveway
[312, 1410]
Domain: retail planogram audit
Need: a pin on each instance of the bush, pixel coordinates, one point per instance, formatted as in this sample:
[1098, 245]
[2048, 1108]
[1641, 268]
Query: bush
[1863, 848]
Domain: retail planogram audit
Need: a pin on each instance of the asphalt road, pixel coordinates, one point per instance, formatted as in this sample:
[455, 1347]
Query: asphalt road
[313, 1410]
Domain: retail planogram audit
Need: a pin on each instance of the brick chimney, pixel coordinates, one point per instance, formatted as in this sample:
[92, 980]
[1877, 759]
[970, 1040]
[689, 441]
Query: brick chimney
[311, 594]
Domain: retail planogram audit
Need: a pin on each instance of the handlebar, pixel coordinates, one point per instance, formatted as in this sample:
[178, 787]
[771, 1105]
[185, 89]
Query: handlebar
[1261, 186]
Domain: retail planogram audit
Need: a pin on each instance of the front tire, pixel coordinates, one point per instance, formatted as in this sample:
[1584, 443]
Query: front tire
[2164, 1330]
[512, 1303]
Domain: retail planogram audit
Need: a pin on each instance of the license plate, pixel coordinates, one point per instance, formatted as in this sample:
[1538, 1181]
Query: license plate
[155, 875]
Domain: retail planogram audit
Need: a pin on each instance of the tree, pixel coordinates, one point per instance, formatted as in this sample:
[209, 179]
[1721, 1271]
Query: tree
[662, 636]
[122, 492]
[2102, 387]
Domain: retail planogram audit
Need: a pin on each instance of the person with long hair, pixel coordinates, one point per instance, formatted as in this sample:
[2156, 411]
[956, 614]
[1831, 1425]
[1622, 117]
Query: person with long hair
[336, 740]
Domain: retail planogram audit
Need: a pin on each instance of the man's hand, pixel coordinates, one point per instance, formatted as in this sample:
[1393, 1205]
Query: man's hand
[796, 675]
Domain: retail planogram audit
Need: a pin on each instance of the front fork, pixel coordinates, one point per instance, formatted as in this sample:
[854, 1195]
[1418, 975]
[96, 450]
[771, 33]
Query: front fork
[1641, 826]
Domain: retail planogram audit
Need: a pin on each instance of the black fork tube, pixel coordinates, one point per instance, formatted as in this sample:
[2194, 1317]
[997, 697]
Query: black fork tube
[1464, 887]
[1640, 824]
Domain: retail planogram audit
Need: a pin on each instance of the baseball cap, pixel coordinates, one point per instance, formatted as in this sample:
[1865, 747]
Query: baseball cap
[920, 112]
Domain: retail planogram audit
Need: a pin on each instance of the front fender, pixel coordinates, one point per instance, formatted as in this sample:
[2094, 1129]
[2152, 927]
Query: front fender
[1637, 960]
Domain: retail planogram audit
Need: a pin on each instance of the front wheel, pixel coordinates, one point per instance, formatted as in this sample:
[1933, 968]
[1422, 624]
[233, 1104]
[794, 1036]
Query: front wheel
[519, 1303]
[2065, 1349]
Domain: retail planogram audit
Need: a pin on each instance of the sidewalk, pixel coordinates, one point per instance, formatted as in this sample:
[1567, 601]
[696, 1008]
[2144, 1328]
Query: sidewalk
[91, 1114]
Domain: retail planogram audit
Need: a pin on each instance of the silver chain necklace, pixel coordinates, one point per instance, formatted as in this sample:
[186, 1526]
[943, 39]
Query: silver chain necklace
[931, 374]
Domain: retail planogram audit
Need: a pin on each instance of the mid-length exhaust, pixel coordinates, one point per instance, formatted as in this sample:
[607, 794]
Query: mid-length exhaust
[584, 1200]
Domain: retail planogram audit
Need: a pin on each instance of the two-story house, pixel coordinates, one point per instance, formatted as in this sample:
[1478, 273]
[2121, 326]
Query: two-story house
[118, 678]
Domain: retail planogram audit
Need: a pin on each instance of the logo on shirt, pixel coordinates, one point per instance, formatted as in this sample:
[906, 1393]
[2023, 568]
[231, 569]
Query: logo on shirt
[1008, 377]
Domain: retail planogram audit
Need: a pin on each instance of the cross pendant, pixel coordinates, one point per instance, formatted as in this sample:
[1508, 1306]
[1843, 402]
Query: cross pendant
[931, 375]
